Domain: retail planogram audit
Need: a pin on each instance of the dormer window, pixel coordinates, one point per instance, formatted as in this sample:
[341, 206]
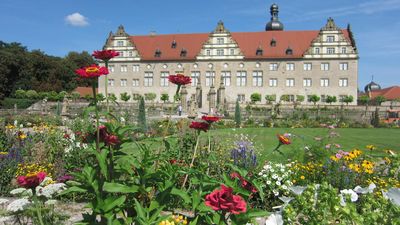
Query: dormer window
[259, 51]
[273, 42]
[173, 44]
[289, 51]
[157, 53]
[183, 52]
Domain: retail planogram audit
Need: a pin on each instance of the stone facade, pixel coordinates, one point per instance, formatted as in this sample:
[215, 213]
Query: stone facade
[323, 62]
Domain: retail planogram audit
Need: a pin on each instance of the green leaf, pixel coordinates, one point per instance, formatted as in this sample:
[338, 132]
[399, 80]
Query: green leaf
[194, 222]
[102, 159]
[185, 197]
[73, 190]
[111, 203]
[139, 209]
[257, 213]
[119, 188]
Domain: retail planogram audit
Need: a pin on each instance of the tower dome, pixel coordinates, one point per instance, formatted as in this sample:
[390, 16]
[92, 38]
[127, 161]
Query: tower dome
[274, 23]
[372, 86]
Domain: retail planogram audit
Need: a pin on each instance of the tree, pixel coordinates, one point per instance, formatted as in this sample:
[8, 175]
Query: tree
[270, 98]
[112, 97]
[285, 98]
[238, 118]
[331, 99]
[255, 97]
[300, 98]
[348, 99]
[150, 96]
[364, 100]
[125, 96]
[379, 99]
[142, 115]
[314, 99]
[376, 120]
[164, 97]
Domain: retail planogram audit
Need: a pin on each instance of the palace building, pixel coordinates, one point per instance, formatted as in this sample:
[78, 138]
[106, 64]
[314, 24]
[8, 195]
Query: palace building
[228, 66]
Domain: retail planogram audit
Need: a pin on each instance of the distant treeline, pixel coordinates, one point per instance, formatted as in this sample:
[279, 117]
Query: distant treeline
[35, 70]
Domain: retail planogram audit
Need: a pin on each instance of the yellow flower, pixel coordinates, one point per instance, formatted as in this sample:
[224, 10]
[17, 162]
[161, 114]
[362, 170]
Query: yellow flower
[334, 158]
[302, 177]
[3, 153]
[370, 147]
[9, 126]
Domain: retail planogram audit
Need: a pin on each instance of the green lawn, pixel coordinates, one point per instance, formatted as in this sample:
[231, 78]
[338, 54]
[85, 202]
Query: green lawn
[350, 138]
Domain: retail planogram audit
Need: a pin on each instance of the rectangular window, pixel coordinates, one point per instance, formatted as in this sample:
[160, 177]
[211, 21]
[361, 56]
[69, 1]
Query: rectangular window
[291, 98]
[120, 43]
[121, 54]
[226, 78]
[307, 82]
[330, 39]
[164, 79]
[210, 78]
[136, 68]
[316, 50]
[241, 78]
[232, 51]
[220, 52]
[343, 82]
[111, 68]
[290, 82]
[307, 66]
[208, 52]
[130, 53]
[135, 82]
[148, 79]
[289, 66]
[273, 66]
[331, 50]
[124, 68]
[323, 98]
[195, 75]
[343, 66]
[111, 82]
[344, 50]
[273, 82]
[324, 66]
[220, 41]
[123, 82]
[324, 82]
[241, 97]
[257, 78]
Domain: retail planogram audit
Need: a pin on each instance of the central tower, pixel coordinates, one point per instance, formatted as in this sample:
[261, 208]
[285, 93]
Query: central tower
[274, 23]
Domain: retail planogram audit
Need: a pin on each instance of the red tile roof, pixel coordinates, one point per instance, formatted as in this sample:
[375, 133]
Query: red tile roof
[83, 91]
[298, 41]
[389, 93]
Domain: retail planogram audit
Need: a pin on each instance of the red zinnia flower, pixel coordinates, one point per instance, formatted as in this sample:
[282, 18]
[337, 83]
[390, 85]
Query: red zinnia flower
[111, 140]
[210, 119]
[223, 199]
[200, 126]
[179, 79]
[31, 180]
[283, 139]
[105, 55]
[92, 71]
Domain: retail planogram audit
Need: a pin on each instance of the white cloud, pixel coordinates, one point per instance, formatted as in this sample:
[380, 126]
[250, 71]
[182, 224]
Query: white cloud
[76, 19]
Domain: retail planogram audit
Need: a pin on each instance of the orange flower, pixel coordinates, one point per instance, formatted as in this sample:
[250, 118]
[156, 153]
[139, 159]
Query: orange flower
[284, 139]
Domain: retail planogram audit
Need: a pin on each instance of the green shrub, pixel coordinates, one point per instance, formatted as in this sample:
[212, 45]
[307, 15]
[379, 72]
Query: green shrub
[32, 94]
[20, 93]
[8, 103]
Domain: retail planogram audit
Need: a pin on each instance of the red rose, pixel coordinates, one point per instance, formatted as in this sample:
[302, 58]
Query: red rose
[210, 119]
[223, 199]
[111, 140]
[200, 126]
[179, 79]
[92, 71]
[105, 55]
[283, 139]
[31, 180]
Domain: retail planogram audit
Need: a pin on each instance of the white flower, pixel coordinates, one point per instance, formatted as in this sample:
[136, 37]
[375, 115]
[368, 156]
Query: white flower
[353, 196]
[51, 202]
[50, 190]
[5, 219]
[272, 170]
[267, 167]
[282, 170]
[265, 175]
[279, 178]
[2, 201]
[276, 193]
[260, 174]
[18, 205]
[284, 187]
[274, 176]
[268, 182]
[21, 191]
[278, 183]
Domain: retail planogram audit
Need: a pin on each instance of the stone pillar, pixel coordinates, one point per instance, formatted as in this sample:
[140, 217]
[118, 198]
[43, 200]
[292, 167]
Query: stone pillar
[211, 99]
[183, 98]
[199, 93]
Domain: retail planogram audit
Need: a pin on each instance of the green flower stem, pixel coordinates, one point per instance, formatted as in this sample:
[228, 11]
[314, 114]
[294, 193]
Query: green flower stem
[209, 150]
[38, 209]
[193, 158]
[106, 87]
[111, 163]
[97, 115]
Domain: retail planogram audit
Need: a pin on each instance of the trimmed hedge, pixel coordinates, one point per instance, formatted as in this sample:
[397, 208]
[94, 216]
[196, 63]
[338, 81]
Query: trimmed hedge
[22, 103]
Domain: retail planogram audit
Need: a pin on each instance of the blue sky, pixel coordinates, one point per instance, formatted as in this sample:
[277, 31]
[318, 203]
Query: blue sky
[59, 26]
